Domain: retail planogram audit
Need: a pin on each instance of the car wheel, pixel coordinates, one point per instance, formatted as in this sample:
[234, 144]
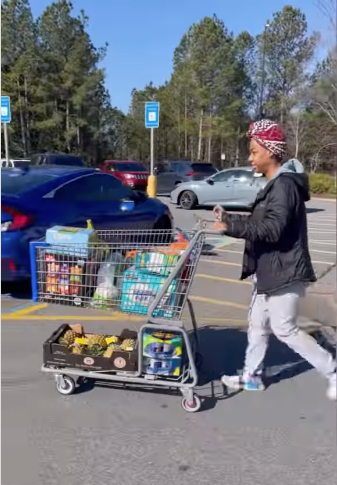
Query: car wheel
[188, 200]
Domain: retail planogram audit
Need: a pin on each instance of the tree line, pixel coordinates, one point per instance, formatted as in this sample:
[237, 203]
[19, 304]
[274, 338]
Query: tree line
[219, 83]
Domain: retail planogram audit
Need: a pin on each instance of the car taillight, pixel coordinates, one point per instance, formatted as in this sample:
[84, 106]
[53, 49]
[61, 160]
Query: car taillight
[189, 174]
[19, 220]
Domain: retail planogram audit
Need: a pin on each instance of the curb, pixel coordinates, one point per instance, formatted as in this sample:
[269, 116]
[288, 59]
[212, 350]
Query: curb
[323, 199]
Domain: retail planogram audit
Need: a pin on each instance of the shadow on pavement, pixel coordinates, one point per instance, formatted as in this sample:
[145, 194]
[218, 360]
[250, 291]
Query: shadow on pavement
[312, 210]
[223, 351]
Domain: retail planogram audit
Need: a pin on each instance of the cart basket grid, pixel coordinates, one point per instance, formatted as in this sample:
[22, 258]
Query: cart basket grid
[142, 272]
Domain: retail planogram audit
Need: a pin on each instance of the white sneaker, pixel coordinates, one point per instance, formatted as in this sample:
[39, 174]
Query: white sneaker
[332, 388]
[238, 382]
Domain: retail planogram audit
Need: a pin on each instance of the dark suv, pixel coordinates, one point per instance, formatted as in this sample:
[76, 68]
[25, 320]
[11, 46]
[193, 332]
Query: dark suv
[57, 159]
[173, 172]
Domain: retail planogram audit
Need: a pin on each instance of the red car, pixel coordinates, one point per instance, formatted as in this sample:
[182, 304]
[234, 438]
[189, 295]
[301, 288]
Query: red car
[132, 174]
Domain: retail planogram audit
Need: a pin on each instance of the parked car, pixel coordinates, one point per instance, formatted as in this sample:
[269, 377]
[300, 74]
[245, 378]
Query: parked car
[171, 173]
[133, 174]
[232, 188]
[15, 162]
[38, 198]
[57, 159]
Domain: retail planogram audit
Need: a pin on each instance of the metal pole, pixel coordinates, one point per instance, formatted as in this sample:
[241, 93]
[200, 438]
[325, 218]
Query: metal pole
[152, 153]
[6, 143]
[263, 71]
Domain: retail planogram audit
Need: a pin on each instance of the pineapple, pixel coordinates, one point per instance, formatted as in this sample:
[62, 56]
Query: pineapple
[68, 338]
[97, 340]
[77, 348]
[128, 344]
[95, 350]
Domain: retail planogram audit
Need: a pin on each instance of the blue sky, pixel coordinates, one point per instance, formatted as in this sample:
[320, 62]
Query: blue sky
[142, 34]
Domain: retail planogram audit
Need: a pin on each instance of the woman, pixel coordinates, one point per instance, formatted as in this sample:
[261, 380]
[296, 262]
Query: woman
[277, 257]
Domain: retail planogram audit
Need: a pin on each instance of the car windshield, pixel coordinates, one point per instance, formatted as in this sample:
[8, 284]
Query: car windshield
[16, 181]
[21, 163]
[129, 167]
[73, 161]
[203, 167]
[62, 160]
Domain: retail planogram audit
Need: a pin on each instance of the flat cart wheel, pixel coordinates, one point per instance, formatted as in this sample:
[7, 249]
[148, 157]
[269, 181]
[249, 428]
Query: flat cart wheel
[65, 385]
[192, 407]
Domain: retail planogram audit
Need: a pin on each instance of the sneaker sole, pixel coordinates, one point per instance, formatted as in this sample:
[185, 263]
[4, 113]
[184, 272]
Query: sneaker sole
[256, 389]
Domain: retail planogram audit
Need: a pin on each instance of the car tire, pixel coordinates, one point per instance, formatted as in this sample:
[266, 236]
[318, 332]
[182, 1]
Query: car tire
[188, 200]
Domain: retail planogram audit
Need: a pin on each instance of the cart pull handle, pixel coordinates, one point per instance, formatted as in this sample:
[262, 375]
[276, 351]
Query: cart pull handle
[207, 227]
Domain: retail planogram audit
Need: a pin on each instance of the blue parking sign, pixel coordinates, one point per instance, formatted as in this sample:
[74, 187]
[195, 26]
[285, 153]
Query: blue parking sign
[5, 109]
[152, 115]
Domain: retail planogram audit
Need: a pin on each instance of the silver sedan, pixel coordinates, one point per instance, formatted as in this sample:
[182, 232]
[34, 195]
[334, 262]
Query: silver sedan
[232, 188]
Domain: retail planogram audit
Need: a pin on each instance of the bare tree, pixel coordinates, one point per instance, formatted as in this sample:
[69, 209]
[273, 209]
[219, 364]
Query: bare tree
[296, 125]
[326, 92]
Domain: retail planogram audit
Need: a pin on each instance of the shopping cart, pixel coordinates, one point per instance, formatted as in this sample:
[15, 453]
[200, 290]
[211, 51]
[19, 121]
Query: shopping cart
[159, 294]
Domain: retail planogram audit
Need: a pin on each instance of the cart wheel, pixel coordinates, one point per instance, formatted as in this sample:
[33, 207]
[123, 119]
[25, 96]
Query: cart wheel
[66, 387]
[191, 407]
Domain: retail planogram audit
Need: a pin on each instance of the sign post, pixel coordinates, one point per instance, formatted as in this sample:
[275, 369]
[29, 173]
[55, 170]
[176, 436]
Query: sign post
[5, 119]
[152, 122]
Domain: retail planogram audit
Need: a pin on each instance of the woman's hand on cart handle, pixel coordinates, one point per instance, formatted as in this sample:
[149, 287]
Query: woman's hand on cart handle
[219, 214]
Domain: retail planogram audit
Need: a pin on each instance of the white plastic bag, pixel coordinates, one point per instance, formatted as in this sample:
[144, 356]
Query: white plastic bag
[108, 281]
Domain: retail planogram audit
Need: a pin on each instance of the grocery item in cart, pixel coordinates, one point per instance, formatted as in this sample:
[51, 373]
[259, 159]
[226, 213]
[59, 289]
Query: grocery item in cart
[169, 367]
[162, 345]
[108, 281]
[140, 289]
[63, 278]
[160, 261]
[74, 241]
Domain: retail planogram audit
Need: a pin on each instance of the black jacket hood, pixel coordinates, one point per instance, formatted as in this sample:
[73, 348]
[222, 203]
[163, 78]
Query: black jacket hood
[302, 181]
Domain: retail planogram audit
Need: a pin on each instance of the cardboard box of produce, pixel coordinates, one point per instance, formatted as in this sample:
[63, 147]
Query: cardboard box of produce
[57, 352]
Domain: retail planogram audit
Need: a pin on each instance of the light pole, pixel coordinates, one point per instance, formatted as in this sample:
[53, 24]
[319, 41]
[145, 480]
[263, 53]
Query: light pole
[4, 66]
[263, 75]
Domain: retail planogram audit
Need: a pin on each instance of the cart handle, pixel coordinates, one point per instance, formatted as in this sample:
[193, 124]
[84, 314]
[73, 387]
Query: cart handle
[180, 265]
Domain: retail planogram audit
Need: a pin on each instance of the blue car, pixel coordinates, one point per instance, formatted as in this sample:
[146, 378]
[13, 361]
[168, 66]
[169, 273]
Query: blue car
[34, 199]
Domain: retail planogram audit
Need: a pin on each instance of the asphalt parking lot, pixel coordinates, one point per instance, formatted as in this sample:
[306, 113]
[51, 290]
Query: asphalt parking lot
[104, 435]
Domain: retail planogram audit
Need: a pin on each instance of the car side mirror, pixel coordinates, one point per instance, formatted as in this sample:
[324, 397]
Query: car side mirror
[210, 181]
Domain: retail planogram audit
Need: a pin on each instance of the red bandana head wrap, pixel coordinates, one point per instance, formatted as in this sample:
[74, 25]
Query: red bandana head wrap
[268, 134]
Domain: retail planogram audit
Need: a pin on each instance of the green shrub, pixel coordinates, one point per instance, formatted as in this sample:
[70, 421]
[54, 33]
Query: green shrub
[322, 183]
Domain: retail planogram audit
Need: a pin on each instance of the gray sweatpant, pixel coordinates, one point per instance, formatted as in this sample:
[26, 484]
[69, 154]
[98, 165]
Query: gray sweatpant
[279, 313]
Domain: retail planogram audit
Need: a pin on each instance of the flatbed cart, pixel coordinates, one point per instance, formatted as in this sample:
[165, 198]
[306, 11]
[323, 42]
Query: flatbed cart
[164, 314]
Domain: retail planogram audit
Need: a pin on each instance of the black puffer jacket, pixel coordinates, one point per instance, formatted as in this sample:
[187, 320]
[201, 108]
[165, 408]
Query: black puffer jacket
[276, 234]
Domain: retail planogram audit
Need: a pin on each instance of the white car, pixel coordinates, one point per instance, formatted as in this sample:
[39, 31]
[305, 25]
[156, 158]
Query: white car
[15, 163]
[233, 188]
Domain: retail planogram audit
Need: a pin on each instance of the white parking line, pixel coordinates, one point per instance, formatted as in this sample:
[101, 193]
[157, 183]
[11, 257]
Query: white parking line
[319, 224]
[322, 220]
[324, 242]
[331, 263]
[324, 252]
